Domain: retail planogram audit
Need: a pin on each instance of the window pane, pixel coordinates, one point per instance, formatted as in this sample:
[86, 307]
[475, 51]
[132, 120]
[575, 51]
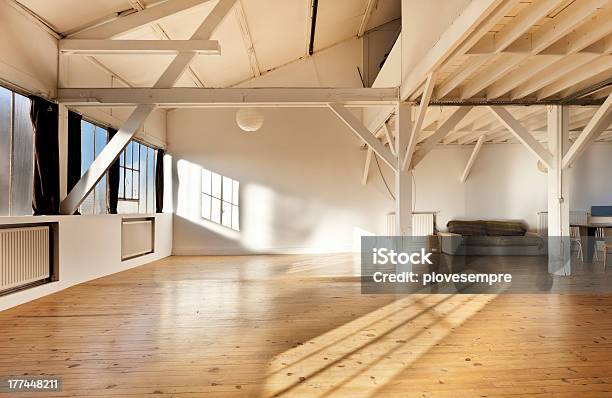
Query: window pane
[101, 196]
[135, 155]
[135, 181]
[227, 189]
[122, 158]
[6, 97]
[127, 207]
[128, 184]
[226, 214]
[151, 181]
[206, 203]
[121, 182]
[235, 218]
[87, 145]
[142, 207]
[216, 185]
[87, 207]
[235, 194]
[206, 188]
[215, 214]
[128, 155]
[23, 158]
[100, 139]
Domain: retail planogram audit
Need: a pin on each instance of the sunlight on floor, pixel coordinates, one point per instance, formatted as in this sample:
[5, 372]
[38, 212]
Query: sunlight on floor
[360, 357]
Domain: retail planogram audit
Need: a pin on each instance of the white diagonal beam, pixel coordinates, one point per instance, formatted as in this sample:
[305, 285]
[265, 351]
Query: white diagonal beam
[104, 47]
[390, 139]
[366, 17]
[470, 163]
[521, 134]
[436, 137]
[600, 121]
[247, 38]
[111, 151]
[136, 20]
[416, 128]
[362, 132]
[366, 167]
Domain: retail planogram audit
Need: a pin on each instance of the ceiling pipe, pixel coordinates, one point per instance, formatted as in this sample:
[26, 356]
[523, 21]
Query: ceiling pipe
[313, 24]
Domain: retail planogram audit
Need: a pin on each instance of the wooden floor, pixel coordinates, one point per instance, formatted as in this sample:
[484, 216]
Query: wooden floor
[297, 326]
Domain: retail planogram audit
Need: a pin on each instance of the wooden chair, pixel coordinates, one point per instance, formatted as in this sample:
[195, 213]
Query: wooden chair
[576, 240]
[607, 245]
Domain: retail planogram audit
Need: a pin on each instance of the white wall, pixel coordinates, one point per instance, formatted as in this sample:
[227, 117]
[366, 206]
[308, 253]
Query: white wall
[591, 178]
[300, 182]
[28, 52]
[423, 22]
[504, 183]
[89, 248]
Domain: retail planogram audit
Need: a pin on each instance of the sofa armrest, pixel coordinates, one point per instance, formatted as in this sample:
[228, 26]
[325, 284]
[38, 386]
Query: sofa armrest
[450, 242]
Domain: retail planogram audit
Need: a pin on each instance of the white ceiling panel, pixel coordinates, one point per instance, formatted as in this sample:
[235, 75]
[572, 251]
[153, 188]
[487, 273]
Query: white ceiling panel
[278, 29]
[337, 21]
[65, 15]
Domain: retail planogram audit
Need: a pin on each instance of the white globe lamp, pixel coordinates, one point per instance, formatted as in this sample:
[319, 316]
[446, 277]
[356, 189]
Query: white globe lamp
[249, 119]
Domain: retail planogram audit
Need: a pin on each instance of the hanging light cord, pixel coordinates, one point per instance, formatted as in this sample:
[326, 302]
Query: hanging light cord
[389, 189]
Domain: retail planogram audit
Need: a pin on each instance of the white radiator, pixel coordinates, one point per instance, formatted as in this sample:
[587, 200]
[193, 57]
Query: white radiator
[543, 223]
[575, 217]
[422, 224]
[24, 256]
[137, 237]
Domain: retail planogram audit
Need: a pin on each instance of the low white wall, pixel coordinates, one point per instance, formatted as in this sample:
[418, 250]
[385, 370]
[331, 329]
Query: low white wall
[89, 248]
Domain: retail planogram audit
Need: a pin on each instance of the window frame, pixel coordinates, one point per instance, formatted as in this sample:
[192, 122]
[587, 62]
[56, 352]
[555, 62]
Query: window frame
[233, 203]
[123, 169]
[14, 92]
[96, 125]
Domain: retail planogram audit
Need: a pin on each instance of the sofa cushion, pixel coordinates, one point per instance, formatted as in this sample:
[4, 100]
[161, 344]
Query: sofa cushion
[467, 228]
[505, 228]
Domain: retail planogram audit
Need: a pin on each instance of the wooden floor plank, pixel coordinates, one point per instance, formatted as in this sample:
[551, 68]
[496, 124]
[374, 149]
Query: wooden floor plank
[298, 326]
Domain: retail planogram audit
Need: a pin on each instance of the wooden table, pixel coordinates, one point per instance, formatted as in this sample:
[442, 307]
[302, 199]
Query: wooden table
[587, 236]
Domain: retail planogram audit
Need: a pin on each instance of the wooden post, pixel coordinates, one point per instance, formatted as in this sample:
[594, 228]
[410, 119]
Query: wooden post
[559, 250]
[403, 179]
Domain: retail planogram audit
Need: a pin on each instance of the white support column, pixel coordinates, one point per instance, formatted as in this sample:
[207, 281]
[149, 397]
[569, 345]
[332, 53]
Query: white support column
[403, 179]
[558, 192]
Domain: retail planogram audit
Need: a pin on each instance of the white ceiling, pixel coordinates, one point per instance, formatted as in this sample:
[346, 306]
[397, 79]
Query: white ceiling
[279, 31]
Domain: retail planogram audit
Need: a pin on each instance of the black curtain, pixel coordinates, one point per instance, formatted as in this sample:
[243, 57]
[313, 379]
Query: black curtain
[113, 179]
[159, 181]
[74, 150]
[46, 190]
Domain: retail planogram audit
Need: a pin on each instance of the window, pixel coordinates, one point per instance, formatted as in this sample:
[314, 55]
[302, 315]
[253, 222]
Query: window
[16, 154]
[137, 178]
[93, 139]
[220, 197]
[136, 174]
